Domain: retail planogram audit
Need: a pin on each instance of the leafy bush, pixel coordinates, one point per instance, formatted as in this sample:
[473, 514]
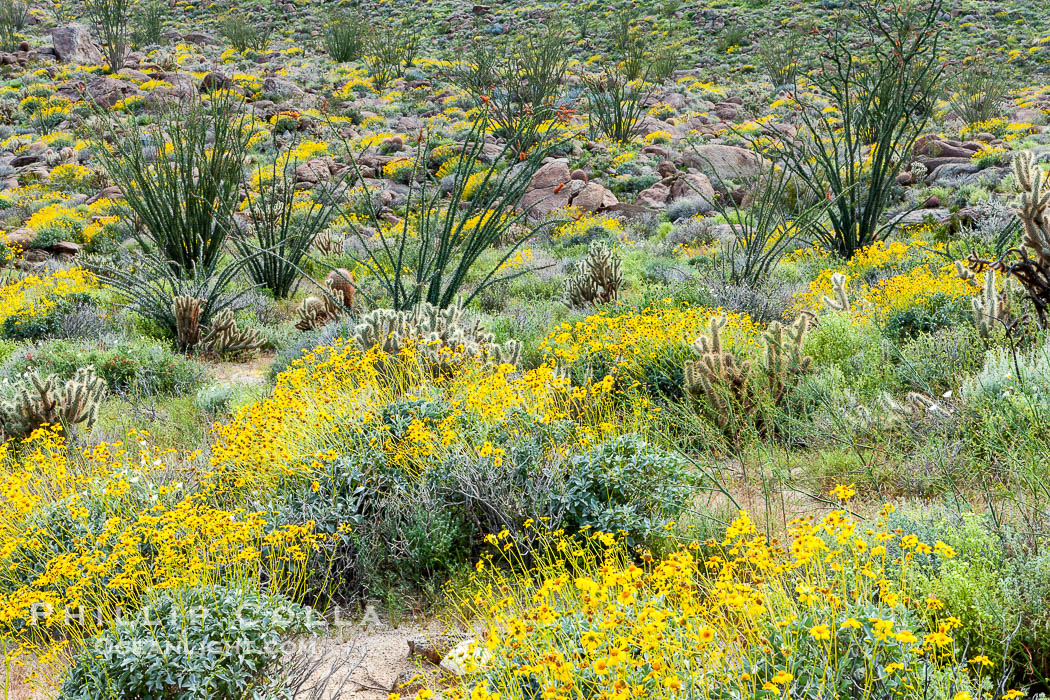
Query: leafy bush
[853, 348]
[187, 644]
[939, 311]
[126, 367]
[624, 485]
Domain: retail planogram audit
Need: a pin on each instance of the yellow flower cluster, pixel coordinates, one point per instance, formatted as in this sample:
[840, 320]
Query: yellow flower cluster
[912, 275]
[36, 296]
[832, 614]
[635, 341]
[336, 396]
[582, 224]
[55, 557]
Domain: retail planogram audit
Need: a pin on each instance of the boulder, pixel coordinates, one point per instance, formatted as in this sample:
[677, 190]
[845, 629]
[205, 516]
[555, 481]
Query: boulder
[693, 185]
[655, 197]
[724, 162]
[551, 174]
[594, 197]
[464, 655]
[72, 43]
[342, 283]
[21, 238]
[537, 203]
[282, 88]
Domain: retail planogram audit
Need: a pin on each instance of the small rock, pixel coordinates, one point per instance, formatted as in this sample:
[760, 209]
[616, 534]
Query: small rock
[467, 653]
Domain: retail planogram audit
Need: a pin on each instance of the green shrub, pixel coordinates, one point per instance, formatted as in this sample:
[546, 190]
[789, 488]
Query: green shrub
[244, 32]
[344, 37]
[624, 485]
[187, 644]
[941, 311]
[126, 367]
[185, 200]
[935, 362]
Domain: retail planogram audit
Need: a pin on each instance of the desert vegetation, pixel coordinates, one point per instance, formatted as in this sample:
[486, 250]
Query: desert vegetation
[599, 350]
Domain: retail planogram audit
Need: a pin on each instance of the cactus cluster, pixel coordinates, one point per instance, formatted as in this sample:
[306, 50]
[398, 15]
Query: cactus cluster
[222, 337]
[993, 308]
[1028, 264]
[225, 339]
[840, 300]
[916, 407]
[441, 335]
[728, 390]
[596, 280]
[318, 311]
[38, 401]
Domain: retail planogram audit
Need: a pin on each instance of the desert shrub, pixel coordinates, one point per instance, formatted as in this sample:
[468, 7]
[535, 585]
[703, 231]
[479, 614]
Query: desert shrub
[216, 399]
[459, 224]
[192, 643]
[529, 72]
[181, 177]
[244, 32]
[189, 309]
[855, 348]
[615, 104]
[624, 486]
[935, 362]
[110, 18]
[882, 101]
[779, 57]
[344, 37]
[126, 367]
[940, 311]
[13, 18]
[1029, 580]
[148, 25]
[390, 48]
[282, 227]
[763, 228]
[978, 89]
[1021, 381]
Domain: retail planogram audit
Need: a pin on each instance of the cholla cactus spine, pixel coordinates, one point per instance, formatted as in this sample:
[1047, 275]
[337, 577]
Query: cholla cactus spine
[1031, 206]
[840, 301]
[727, 389]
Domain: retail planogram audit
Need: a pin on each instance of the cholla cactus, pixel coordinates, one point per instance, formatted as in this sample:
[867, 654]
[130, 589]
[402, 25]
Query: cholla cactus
[1031, 206]
[729, 390]
[315, 312]
[840, 302]
[225, 339]
[441, 335]
[916, 407]
[187, 312]
[596, 280]
[41, 401]
[1028, 264]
